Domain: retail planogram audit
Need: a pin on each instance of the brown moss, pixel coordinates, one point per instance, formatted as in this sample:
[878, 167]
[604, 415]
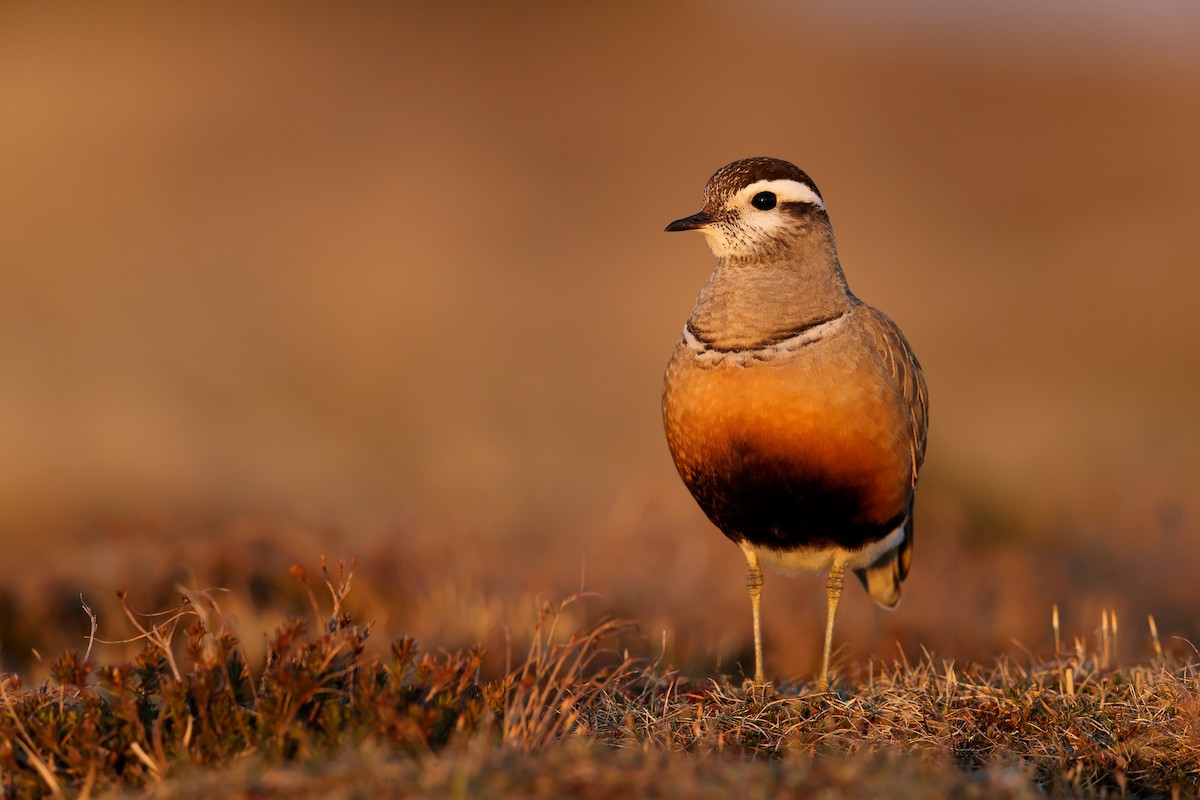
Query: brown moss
[322, 714]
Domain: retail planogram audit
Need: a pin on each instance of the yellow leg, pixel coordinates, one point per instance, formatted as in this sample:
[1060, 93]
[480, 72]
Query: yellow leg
[833, 593]
[754, 581]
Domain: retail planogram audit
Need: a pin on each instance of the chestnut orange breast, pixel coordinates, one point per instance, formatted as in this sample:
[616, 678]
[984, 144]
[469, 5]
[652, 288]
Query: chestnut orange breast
[809, 448]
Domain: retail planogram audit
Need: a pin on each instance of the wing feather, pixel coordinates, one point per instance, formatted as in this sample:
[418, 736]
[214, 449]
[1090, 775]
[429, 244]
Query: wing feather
[901, 365]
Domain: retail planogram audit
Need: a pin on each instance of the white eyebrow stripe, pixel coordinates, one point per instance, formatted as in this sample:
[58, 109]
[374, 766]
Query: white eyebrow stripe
[786, 189]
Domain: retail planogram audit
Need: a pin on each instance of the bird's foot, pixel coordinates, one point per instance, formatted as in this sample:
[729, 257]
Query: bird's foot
[758, 690]
[828, 693]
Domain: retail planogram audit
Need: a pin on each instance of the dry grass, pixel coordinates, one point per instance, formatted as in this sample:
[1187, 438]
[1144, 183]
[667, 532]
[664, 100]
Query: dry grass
[322, 715]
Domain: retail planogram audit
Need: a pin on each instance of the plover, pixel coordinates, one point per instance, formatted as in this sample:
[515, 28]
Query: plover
[796, 413]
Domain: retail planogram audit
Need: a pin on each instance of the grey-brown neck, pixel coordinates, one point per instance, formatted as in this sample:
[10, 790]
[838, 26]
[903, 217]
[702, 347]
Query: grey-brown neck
[749, 303]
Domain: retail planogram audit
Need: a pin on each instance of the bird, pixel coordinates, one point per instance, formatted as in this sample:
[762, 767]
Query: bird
[796, 414]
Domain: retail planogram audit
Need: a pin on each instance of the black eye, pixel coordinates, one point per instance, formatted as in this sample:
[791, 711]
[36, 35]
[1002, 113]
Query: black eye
[763, 201]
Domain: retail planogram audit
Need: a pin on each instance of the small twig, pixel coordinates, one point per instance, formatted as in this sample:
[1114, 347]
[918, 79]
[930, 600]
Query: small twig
[155, 770]
[95, 626]
[1158, 651]
[1054, 624]
[297, 572]
[155, 634]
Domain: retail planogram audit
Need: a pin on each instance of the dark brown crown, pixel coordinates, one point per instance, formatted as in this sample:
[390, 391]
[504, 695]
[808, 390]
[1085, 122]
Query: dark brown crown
[731, 178]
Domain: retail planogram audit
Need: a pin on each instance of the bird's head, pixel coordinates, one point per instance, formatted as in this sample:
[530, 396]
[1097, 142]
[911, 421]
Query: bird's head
[756, 207]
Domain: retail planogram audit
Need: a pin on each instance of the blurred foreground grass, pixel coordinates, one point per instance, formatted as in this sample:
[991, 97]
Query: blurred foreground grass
[321, 713]
[984, 581]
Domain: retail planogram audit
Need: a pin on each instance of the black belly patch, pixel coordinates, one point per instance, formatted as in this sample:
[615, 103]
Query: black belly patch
[785, 506]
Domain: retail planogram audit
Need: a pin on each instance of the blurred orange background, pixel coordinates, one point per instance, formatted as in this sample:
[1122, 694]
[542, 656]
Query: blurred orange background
[389, 280]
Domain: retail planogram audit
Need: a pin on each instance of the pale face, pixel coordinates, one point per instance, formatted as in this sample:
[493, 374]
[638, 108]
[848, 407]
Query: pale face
[753, 218]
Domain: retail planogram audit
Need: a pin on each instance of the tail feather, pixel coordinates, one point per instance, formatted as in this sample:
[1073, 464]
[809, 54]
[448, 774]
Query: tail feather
[882, 579]
[906, 547]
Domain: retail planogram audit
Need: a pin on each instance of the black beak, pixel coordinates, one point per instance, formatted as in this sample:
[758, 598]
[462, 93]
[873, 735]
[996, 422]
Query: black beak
[691, 223]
